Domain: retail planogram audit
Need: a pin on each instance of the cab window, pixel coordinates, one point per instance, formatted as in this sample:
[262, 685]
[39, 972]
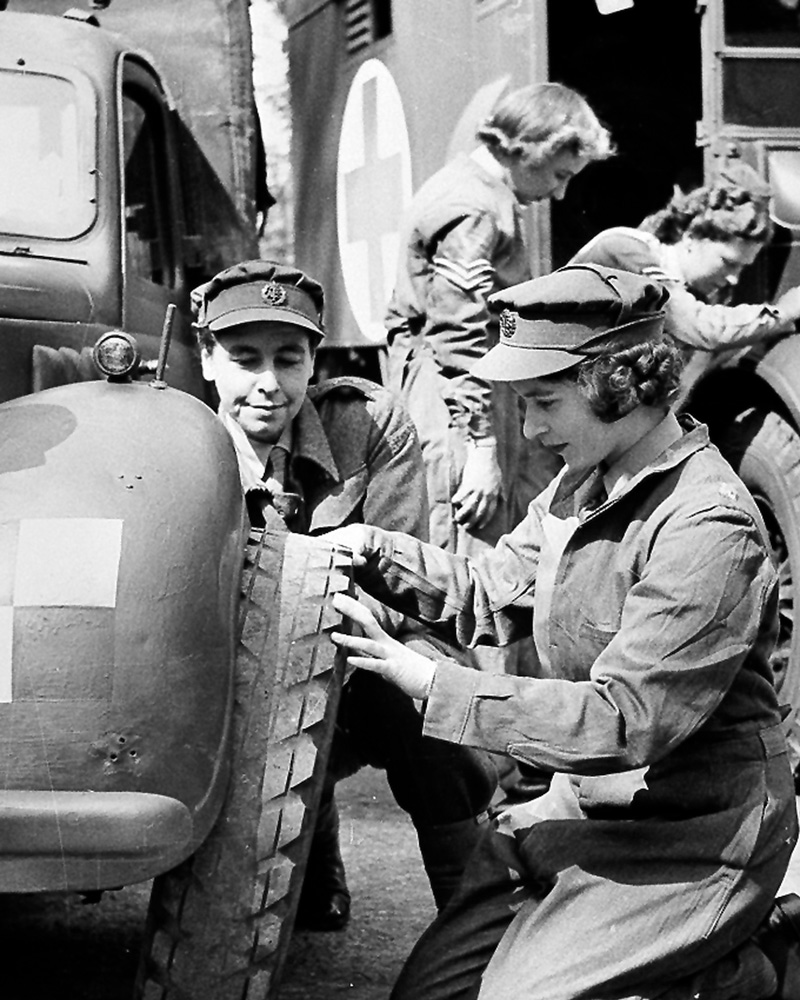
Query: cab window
[146, 196]
[47, 185]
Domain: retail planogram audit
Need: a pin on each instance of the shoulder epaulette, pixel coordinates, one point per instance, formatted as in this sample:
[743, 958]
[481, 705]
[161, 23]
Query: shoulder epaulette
[346, 386]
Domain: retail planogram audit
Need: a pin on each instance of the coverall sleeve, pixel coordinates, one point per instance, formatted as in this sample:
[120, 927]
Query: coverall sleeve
[687, 623]
[461, 276]
[487, 600]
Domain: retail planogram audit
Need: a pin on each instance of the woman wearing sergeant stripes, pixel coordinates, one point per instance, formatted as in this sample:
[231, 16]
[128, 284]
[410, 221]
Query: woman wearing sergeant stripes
[463, 239]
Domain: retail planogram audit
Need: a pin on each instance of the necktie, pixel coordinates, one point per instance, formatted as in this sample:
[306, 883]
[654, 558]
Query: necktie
[285, 502]
[595, 495]
[275, 471]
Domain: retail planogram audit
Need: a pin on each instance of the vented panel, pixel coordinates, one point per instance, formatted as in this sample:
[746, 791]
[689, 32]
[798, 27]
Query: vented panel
[357, 25]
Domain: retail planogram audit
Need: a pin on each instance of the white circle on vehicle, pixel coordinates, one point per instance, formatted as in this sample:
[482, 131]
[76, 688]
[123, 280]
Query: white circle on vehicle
[373, 188]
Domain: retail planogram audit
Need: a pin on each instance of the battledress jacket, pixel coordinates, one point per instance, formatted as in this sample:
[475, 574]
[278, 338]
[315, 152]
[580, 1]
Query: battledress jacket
[354, 458]
[706, 330]
[657, 709]
[462, 240]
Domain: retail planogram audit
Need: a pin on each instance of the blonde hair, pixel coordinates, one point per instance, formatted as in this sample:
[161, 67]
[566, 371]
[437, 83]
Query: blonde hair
[538, 121]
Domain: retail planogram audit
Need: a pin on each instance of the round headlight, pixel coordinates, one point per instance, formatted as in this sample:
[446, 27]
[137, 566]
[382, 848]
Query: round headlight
[116, 354]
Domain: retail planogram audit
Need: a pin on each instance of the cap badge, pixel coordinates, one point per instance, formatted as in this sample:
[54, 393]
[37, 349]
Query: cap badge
[273, 294]
[508, 323]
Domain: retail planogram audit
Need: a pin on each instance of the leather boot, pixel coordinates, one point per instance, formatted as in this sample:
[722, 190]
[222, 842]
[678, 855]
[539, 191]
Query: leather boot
[445, 850]
[523, 783]
[779, 938]
[324, 899]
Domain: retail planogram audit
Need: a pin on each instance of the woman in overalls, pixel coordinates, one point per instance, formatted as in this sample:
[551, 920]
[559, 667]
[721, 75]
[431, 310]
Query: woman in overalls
[650, 867]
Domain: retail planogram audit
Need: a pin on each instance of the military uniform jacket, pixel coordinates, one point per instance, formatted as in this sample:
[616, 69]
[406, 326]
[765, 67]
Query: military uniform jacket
[463, 239]
[355, 458]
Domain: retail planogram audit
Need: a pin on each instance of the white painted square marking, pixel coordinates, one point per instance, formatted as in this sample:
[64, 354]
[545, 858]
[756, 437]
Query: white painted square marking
[6, 652]
[68, 562]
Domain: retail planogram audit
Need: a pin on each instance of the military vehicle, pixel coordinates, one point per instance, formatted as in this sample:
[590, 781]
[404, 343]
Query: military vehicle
[385, 93]
[167, 686]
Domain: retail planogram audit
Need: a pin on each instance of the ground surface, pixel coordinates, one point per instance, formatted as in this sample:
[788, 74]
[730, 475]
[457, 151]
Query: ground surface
[58, 948]
[392, 903]
[53, 948]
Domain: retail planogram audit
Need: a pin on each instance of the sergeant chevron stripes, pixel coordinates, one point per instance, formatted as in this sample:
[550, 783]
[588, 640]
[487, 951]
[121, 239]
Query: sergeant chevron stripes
[470, 276]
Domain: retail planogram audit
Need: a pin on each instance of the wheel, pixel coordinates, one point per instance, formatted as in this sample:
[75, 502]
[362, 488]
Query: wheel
[765, 451]
[219, 924]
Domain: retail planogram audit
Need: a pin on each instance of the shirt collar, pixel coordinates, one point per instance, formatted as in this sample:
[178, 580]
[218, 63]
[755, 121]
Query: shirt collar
[643, 453]
[303, 439]
[567, 493]
[671, 264]
[490, 165]
[251, 465]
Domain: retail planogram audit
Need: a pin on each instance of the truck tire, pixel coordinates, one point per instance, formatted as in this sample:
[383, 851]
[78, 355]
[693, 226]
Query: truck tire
[219, 924]
[764, 449]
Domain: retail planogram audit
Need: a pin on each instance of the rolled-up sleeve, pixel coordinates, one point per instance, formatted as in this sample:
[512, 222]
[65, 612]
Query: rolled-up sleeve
[709, 327]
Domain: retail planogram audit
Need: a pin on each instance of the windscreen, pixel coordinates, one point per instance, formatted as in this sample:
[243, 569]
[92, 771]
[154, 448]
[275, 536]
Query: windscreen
[46, 183]
[759, 90]
[762, 23]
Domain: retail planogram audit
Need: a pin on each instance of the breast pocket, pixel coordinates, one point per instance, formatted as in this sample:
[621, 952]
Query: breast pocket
[594, 638]
[575, 646]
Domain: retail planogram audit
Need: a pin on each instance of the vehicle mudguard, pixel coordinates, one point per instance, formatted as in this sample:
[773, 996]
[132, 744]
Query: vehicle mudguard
[122, 527]
[780, 369]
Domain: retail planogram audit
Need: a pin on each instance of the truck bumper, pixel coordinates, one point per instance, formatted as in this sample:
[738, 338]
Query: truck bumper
[81, 841]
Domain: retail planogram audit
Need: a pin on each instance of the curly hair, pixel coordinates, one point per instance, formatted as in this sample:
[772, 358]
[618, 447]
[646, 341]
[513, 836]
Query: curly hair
[734, 206]
[623, 375]
[541, 120]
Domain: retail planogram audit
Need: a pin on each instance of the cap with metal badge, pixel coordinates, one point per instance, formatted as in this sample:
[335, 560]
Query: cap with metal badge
[259, 291]
[551, 323]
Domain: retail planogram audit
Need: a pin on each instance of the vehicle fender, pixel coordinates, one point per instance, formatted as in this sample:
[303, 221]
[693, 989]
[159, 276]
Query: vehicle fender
[122, 527]
[780, 370]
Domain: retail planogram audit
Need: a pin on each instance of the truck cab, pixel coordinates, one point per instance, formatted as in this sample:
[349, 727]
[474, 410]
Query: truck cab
[114, 203]
[90, 220]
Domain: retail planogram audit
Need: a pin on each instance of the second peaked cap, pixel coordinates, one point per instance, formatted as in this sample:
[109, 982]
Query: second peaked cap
[551, 323]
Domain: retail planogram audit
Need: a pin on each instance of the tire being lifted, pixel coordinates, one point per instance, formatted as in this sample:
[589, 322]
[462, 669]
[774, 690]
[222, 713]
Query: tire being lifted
[764, 449]
[219, 924]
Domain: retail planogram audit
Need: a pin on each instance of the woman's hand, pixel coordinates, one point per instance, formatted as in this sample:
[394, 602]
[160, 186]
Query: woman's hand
[355, 538]
[377, 651]
[478, 494]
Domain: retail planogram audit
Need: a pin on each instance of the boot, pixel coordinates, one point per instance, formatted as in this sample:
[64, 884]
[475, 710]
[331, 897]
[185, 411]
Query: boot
[779, 938]
[523, 783]
[324, 899]
[445, 850]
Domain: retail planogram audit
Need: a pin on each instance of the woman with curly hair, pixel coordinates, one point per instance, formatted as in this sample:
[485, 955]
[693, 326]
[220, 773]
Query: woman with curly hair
[649, 868]
[462, 240]
[697, 246]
